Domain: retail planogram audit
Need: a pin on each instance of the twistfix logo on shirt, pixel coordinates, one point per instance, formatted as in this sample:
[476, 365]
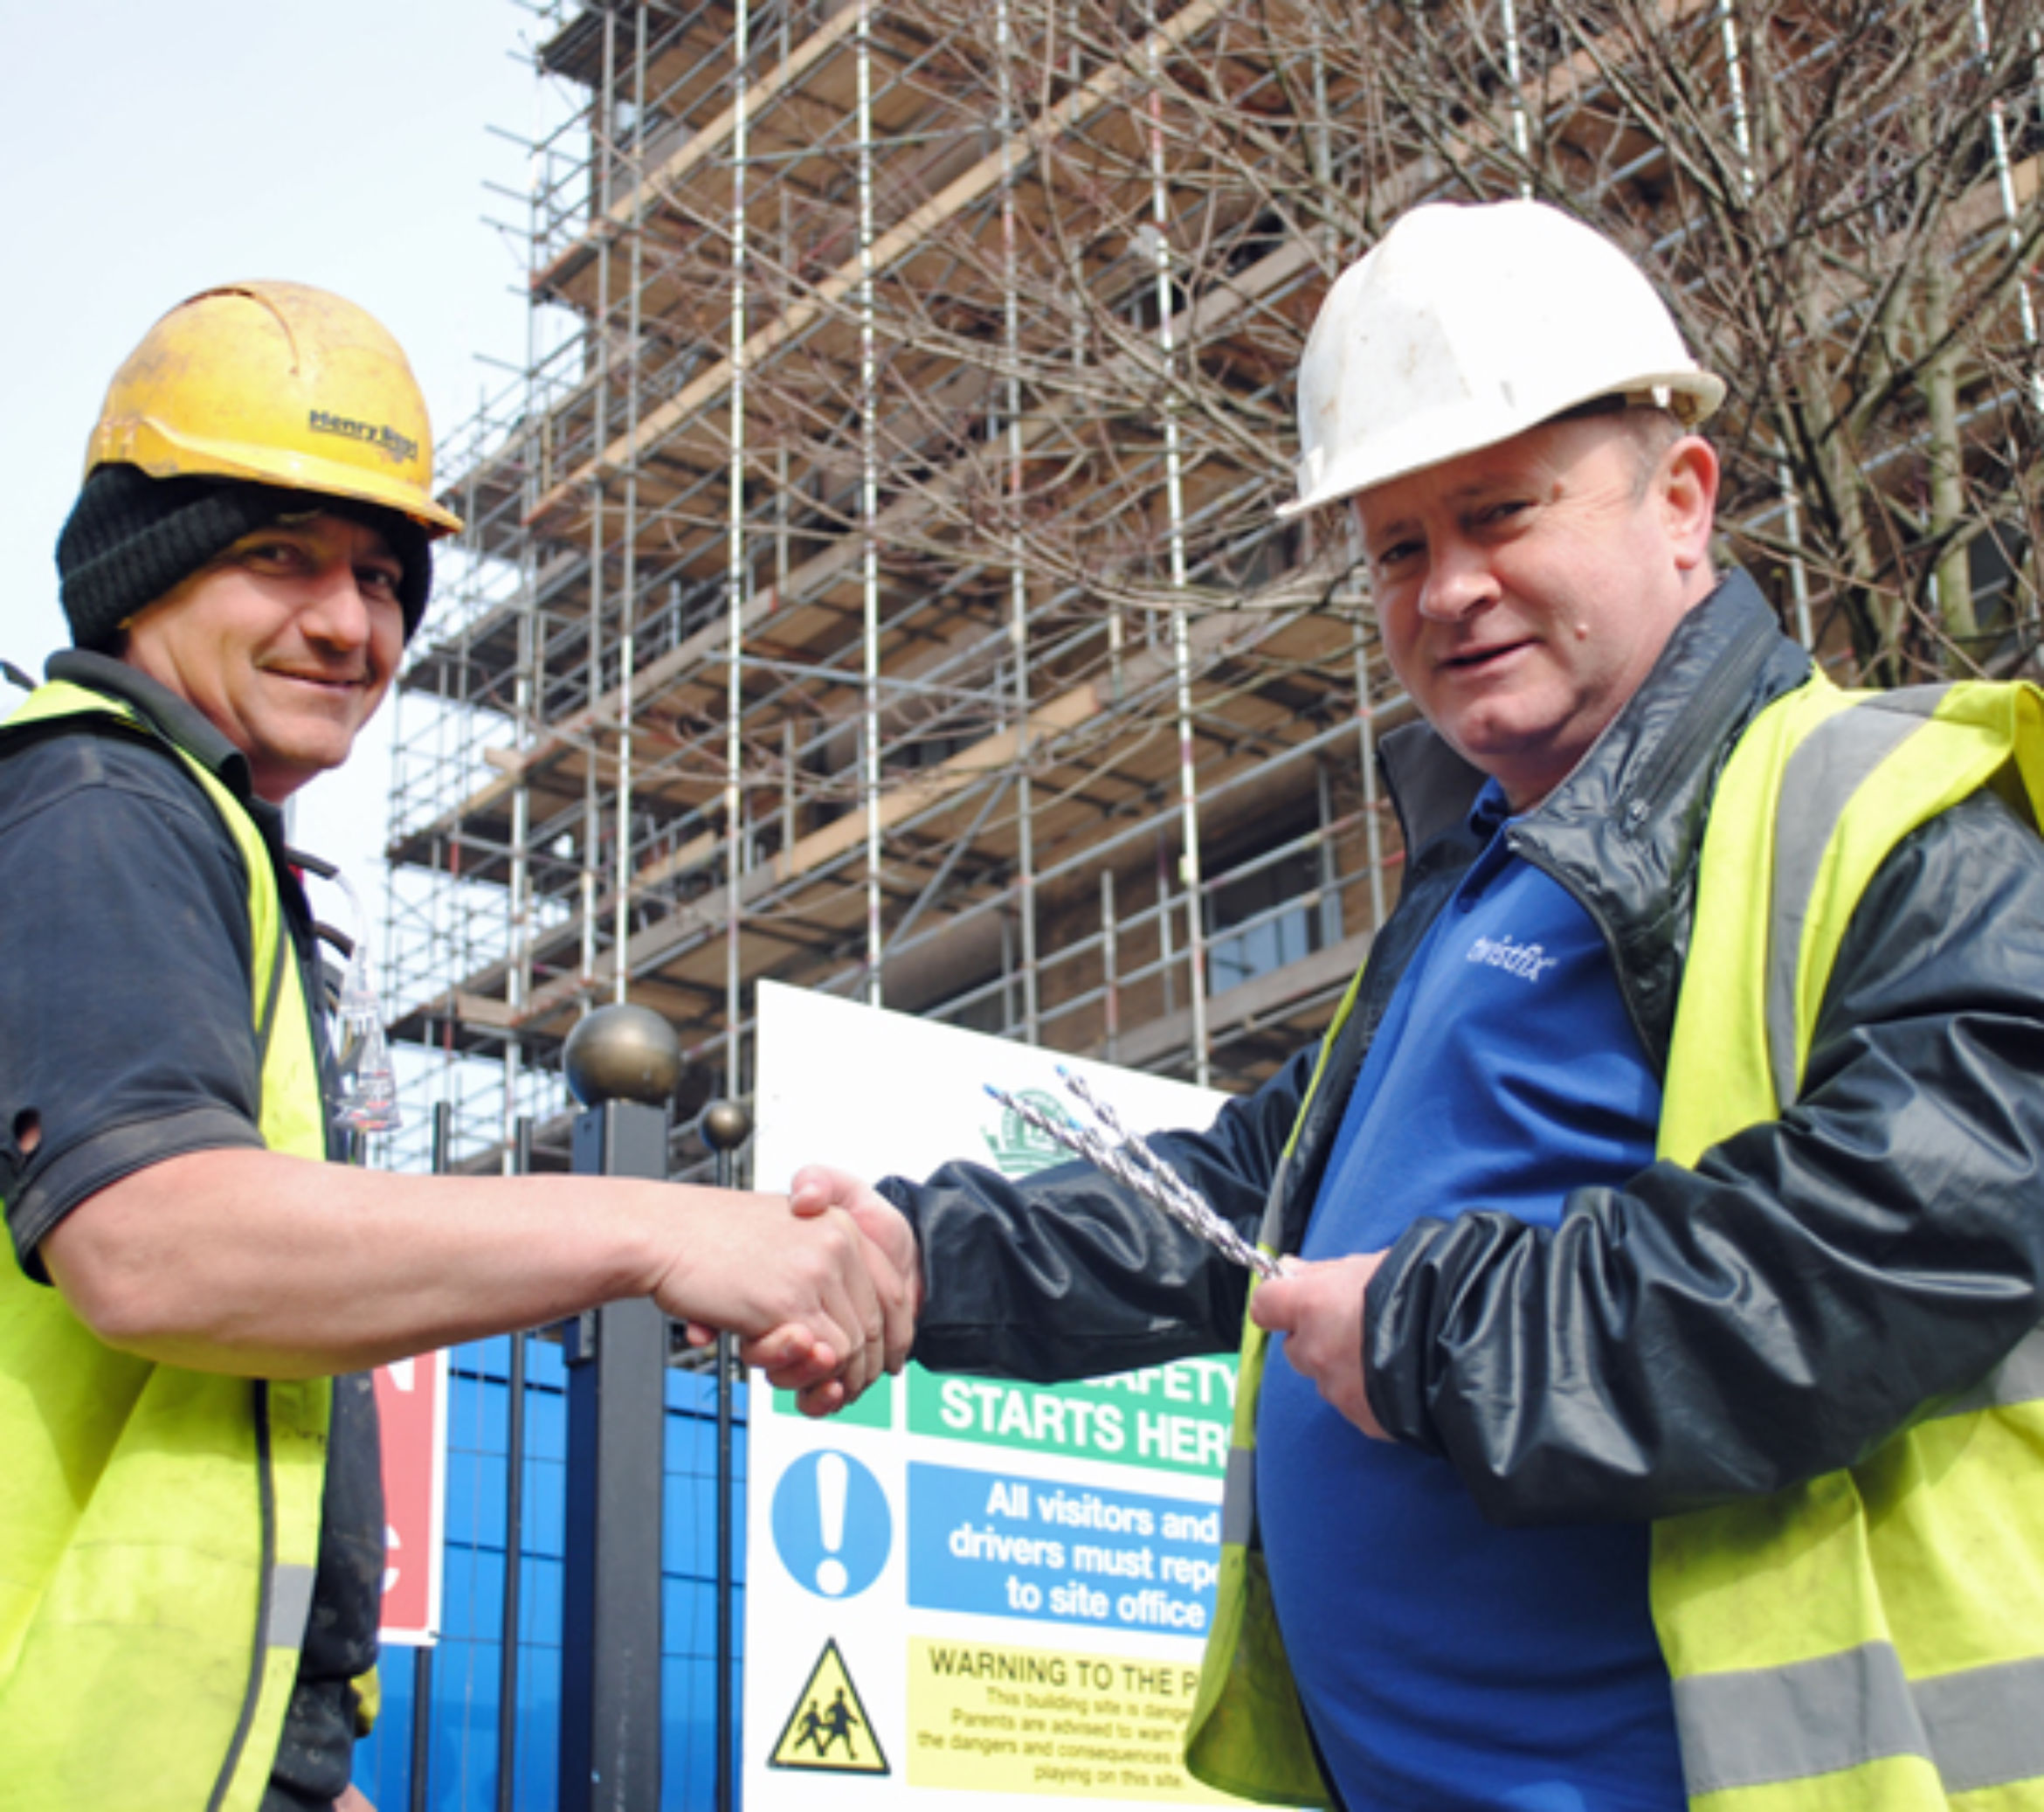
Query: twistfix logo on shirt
[398, 449]
[1527, 961]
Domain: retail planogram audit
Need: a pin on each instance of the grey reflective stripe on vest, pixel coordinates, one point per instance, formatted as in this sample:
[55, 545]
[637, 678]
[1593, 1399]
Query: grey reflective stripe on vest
[1823, 773]
[1766, 1724]
[1986, 1724]
[2018, 1379]
[1239, 1498]
[291, 1596]
[1979, 1727]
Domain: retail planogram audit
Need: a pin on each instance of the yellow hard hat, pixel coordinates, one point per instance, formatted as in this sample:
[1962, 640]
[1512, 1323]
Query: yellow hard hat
[277, 382]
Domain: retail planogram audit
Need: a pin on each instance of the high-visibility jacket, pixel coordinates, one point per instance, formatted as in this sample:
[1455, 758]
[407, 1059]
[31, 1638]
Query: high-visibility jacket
[1873, 1640]
[159, 1528]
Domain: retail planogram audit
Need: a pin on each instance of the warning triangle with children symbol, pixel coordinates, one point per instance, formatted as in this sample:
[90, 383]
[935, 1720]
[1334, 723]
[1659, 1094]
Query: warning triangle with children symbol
[827, 1731]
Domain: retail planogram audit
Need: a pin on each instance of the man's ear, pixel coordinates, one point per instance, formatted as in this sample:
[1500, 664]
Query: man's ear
[1686, 490]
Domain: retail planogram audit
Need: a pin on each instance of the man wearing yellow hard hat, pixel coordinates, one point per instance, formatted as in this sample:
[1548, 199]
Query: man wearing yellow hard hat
[1650, 1409]
[190, 1517]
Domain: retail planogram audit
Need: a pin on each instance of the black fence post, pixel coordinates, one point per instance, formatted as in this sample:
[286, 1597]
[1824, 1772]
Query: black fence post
[422, 1656]
[725, 1125]
[514, 1533]
[623, 1063]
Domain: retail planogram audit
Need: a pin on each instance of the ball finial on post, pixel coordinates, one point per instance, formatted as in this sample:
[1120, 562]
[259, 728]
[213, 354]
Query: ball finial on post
[623, 1052]
[725, 1125]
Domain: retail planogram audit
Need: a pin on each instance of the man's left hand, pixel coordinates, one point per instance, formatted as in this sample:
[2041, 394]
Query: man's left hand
[1318, 1308]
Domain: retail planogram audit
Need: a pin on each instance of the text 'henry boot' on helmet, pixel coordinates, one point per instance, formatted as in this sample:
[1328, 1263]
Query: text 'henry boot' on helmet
[278, 383]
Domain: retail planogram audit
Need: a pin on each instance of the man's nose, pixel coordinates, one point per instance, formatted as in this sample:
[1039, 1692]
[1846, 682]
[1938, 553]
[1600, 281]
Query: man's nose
[337, 611]
[1459, 581]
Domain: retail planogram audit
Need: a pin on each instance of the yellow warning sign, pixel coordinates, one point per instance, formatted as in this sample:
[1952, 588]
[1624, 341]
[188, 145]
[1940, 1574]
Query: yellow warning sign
[986, 1719]
[827, 1731]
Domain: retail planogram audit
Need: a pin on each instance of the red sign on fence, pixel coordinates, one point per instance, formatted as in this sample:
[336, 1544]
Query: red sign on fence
[411, 1402]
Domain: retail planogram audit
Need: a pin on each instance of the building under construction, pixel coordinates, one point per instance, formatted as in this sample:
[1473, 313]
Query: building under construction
[874, 581]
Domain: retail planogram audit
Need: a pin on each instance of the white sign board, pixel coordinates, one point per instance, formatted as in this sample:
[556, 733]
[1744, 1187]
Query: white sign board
[963, 1586]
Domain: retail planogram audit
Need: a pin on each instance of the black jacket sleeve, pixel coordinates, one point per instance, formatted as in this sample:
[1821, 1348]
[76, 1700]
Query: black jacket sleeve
[1814, 1284]
[1065, 1275]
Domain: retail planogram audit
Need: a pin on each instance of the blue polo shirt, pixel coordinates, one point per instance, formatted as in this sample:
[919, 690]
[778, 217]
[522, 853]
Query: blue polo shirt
[1443, 1663]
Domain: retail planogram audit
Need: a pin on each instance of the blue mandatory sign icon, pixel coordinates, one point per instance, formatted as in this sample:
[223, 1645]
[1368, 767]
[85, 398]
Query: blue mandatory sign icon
[832, 1524]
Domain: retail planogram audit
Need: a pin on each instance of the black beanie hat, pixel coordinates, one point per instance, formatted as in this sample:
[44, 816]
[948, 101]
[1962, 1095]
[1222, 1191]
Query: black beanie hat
[131, 538]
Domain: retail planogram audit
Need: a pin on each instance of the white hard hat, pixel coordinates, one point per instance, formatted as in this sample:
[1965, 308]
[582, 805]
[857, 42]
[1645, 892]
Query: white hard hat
[1467, 325]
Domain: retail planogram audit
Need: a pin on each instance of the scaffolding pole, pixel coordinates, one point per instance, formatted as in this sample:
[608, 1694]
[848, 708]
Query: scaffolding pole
[605, 112]
[1189, 872]
[1792, 505]
[2005, 187]
[628, 578]
[524, 703]
[1018, 573]
[734, 558]
[868, 514]
[1514, 80]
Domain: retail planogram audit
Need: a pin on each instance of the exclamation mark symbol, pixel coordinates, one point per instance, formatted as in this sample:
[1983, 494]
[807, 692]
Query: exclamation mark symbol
[833, 1480]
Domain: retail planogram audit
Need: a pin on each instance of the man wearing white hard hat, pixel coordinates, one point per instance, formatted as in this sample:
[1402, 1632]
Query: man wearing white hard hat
[1652, 1408]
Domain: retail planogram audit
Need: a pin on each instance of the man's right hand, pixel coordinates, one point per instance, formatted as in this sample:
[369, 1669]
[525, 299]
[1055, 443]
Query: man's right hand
[894, 1261]
[1320, 1309]
[802, 1292]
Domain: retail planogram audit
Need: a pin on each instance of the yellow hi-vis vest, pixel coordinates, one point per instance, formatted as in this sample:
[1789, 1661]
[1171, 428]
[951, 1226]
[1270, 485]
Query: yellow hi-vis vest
[159, 1528]
[1872, 1641]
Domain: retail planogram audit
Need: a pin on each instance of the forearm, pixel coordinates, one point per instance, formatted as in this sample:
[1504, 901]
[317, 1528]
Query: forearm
[1062, 1275]
[249, 1262]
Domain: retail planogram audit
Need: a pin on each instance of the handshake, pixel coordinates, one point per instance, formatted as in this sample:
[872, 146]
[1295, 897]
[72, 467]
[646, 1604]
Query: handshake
[821, 1286]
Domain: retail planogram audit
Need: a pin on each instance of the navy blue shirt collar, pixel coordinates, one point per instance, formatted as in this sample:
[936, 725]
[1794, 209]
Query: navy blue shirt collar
[177, 719]
[1490, 813]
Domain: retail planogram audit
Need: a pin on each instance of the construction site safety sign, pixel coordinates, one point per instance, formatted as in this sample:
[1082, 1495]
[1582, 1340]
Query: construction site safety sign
[964, 1586]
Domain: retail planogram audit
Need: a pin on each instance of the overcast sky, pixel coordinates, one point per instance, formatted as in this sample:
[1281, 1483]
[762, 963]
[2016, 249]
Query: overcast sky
[149, 150]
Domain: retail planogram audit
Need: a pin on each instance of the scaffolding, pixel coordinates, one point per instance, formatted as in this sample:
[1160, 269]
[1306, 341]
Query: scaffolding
[872, 580]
